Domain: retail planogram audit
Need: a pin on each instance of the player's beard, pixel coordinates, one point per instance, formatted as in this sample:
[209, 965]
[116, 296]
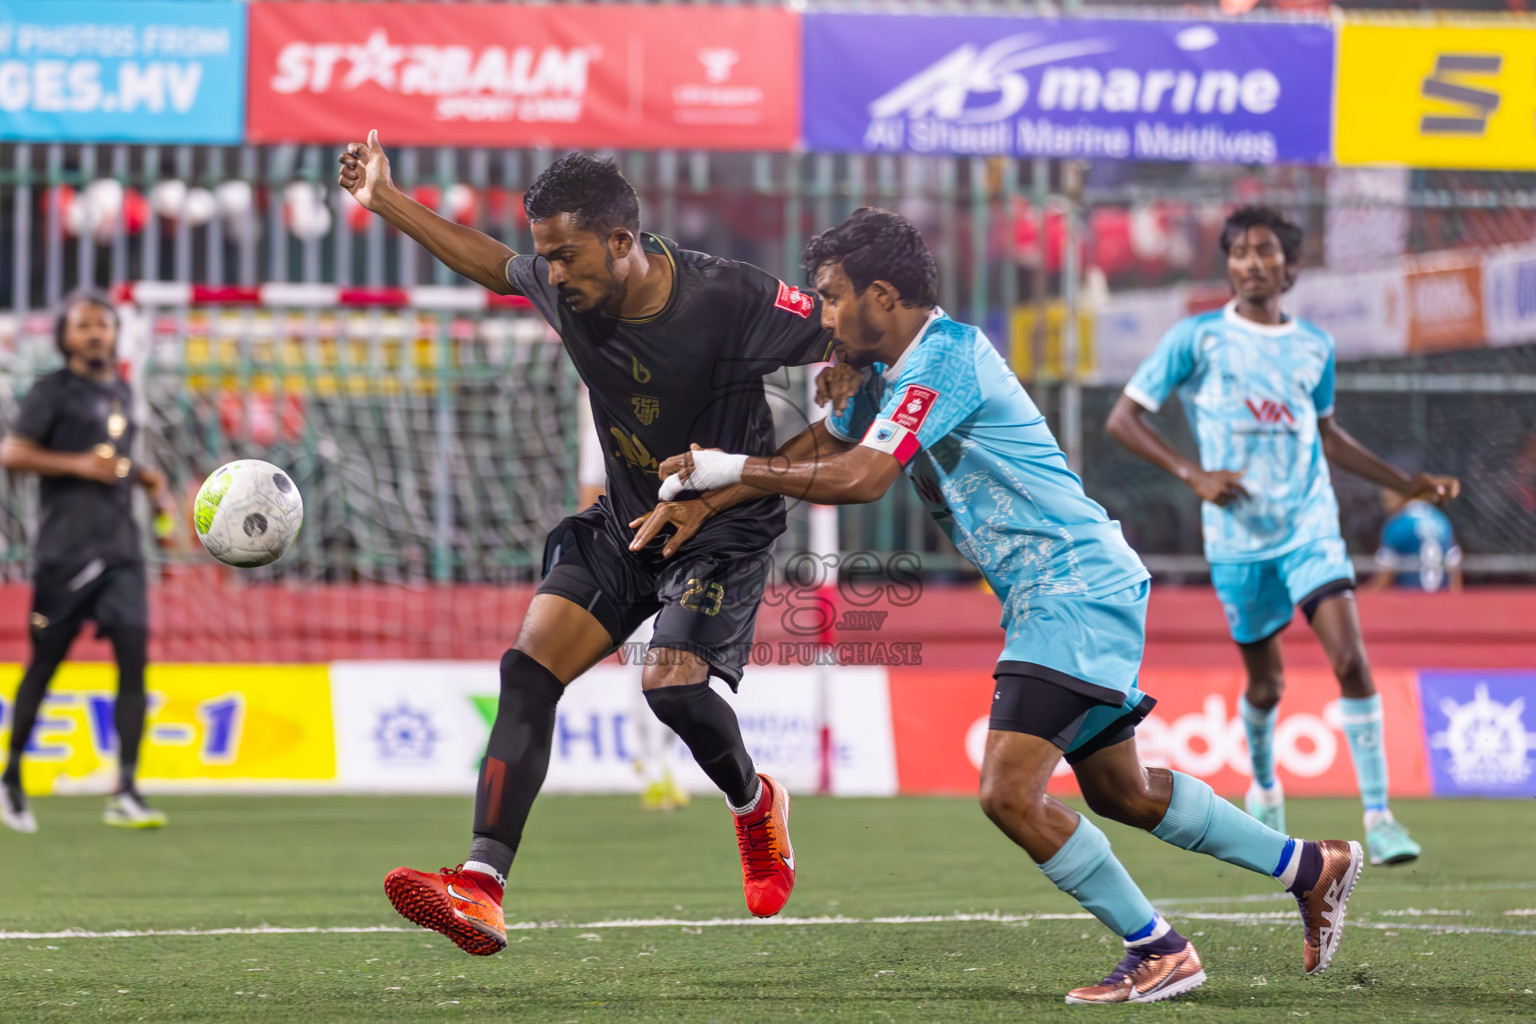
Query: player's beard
[613, 298]
[610, 299]
[98, 363]
[863, 354]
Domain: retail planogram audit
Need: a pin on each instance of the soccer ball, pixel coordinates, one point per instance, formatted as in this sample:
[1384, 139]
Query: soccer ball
[247, 513]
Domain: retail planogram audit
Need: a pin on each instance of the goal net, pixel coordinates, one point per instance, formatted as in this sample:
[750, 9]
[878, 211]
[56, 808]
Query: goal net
[431, 433]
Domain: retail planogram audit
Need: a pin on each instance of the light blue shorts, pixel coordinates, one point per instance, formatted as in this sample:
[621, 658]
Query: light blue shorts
[1093, 644]
[1260, 598]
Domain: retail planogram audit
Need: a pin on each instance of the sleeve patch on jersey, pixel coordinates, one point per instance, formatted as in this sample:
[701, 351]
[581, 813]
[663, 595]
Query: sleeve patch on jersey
[893, 439]
[913, 407]
[793, 300]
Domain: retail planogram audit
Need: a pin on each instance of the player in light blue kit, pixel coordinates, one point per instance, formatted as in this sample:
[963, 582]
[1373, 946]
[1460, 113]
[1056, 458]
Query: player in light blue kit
[940, 403]
[1257, 387]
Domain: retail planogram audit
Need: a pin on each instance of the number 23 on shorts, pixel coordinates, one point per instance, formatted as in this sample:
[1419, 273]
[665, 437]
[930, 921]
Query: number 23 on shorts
[703, 596]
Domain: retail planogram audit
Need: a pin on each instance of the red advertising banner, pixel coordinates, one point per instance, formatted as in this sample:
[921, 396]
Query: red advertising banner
[519, 75]
[1445, 308]
[940, 723]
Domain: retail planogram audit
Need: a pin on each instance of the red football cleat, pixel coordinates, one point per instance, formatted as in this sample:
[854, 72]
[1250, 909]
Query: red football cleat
[767, 858]
[452, 902]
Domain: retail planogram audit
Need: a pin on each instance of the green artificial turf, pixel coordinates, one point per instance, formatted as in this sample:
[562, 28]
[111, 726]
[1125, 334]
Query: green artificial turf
[1450, 938]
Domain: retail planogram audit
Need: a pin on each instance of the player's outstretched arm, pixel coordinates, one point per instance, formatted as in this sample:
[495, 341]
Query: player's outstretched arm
[1349, 454]
[851, 477]
[688, 516]
[465, 251]
[26, 457]
[1128, 424]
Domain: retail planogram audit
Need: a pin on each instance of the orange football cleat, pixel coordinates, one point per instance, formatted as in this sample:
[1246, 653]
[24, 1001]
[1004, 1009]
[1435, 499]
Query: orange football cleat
[1322, 904]
[767, 858]
[451, 902]
[1144, 977]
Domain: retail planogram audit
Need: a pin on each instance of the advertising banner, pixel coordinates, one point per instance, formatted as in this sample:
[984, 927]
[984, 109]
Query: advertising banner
[1480, 731]
[1128, 326]
[518, 75]
[1445, 307]
[260, 726]
[940, 720]
[423, 726]
[1367, 313]
[1437, 92]
[1021, 341]
[109, 72]
[1123, 90]
[1509, 296]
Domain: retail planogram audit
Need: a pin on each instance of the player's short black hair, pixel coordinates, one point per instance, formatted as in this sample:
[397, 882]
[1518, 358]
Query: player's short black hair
[1286, 230]
[877, 245]
[88, 296]
[594, 191]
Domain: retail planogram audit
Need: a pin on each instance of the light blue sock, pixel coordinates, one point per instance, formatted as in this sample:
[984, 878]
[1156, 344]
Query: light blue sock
[1362, 728]
[1086, 869]
[1260, 726]
[1199, 820]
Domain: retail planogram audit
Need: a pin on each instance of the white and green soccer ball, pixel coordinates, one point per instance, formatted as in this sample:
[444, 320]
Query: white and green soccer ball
[247, 513]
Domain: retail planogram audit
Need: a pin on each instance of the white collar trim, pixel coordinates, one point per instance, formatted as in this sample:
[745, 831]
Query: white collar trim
[893, 372]
[1270, 330]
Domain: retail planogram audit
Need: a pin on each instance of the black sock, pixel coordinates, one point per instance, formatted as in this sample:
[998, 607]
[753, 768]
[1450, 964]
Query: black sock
[516, 758]
[705, 722]
[48, 649]
[1169, 944]
[130, 645]
[1308, 871]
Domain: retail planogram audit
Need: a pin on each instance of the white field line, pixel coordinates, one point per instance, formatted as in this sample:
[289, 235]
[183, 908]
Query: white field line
[749, 922]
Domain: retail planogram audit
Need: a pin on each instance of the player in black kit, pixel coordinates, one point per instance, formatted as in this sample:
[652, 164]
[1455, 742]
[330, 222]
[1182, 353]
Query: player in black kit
[673, 346]
[75, 430]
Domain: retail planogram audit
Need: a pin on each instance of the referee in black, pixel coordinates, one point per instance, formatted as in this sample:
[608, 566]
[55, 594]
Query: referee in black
[75, 431]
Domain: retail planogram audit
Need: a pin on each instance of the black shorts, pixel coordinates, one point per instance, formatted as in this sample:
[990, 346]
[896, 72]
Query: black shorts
[111, 595]
[1077, 723]
[704, 598]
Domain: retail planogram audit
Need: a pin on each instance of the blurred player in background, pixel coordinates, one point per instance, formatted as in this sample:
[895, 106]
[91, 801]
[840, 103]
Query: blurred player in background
[653, 752]
[673, 345]
[940, 404]
[1418, 548]
[1257, 386]
[74, 430]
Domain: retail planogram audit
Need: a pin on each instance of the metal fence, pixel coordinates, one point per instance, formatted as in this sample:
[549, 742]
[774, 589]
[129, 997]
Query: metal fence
[1014, 241]
[427, 446]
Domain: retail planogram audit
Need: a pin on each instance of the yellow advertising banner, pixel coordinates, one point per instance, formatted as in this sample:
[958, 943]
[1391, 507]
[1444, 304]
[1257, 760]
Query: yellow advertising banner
[1437, 92]
[1053, 363]
[207, 725]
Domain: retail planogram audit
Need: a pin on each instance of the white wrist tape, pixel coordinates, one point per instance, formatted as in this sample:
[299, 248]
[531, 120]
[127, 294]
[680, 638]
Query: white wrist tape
[711, 470]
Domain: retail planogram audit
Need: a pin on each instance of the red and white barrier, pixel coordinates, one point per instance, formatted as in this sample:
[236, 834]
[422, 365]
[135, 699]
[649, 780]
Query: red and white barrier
[285, 295]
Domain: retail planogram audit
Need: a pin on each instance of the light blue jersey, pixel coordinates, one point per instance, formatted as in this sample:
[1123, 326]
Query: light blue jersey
[990, 473]
[1418, 545]
[1253, 395]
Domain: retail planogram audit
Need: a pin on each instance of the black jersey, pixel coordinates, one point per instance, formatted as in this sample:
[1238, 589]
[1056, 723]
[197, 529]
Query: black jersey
[80, 521]
[693, 373]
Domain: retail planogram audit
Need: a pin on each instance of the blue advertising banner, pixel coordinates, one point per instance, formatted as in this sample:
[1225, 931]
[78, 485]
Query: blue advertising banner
[1082, 88]
[1480, 731]
[128, 72]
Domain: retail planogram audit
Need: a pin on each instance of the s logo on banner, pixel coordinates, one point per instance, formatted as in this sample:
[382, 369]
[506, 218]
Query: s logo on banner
[1446, 94]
